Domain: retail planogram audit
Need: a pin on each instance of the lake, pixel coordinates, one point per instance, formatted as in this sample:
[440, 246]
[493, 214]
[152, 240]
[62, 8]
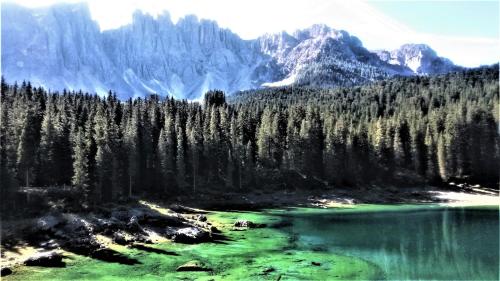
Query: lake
[408, 242]
[393, 242]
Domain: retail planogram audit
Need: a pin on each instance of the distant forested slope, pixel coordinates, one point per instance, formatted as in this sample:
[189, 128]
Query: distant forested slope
[403, 130]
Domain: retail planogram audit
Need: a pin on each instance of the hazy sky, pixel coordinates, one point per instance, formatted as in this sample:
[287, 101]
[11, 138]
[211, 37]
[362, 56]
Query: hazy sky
[467, 32]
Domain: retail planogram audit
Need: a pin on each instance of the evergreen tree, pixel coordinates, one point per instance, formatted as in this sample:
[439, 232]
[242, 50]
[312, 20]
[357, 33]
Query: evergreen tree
[264, 139]
[131, 142]
[441, 157]
[167, 150]
[181, 157]
[432, 161]
[443, 127]
[27, 149]
[48, 143]
[80, 177]
[103, 157]
[195, 140]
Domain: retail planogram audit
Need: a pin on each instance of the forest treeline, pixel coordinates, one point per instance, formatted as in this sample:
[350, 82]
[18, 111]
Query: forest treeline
[434, 129]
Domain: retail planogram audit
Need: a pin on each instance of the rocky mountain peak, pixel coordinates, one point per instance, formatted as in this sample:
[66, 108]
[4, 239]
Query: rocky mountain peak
[62, 47]
[420, 58]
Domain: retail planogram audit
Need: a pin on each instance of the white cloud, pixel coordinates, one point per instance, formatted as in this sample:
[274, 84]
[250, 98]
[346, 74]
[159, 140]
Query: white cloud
[466, 51]
[250, 19]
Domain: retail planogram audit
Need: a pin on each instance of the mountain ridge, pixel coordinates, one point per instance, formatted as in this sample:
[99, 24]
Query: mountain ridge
[62, 47]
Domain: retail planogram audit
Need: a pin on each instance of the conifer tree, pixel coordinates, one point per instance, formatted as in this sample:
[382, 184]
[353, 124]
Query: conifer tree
[80, 177]
[195, 140]
[167, 149]
[441, 158]
[264, 139]
[103, 157]
[27, 149]
[131, 142]
[432, 163]
[442, 127]
[181, 157]
[48, 148]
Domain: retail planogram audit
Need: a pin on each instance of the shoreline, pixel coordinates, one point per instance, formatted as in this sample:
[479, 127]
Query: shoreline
[340, 198]
[462, 199]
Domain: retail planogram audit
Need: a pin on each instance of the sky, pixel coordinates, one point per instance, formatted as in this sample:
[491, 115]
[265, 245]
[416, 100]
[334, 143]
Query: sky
[467, 32]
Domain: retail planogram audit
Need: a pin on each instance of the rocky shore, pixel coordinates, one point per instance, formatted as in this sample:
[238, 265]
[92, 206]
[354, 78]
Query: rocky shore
[45, 240]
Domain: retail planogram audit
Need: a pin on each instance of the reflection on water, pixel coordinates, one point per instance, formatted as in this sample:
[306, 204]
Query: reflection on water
[423, 244]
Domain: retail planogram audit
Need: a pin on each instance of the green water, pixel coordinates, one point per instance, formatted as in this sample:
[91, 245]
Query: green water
[410, 242]
[363, 243]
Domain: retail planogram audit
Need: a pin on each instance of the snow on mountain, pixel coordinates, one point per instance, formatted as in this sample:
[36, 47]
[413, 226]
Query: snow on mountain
[420, 58]
[323, 56]
[62, 47]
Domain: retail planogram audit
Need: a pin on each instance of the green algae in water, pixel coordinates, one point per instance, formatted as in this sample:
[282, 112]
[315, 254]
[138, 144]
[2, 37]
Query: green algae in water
[246, 255]
[363, 243]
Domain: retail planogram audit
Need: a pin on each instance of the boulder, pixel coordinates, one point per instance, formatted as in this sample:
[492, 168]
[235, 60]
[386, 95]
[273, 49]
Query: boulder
[248, 224]
[190, 235]
[49, 245]
[120, 214]
[47, 223]
[134, 226]
[108, 227]
[82, 245]
[147, 217]
[193, 266]
[244, 223]
[46, 259]
[5, 271]
[142, 239]
[76, 225]
[201, 218]
[120, 239]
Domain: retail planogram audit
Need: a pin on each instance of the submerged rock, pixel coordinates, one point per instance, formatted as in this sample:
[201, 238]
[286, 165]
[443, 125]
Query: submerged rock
[190, 235]
[193, 266]
[46, 259]
[5, 271]
[282, 224]
[269, 270]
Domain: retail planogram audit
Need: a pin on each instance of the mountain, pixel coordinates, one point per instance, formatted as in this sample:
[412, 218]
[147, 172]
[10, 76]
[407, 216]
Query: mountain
[62, 47]
[420, 58]
[323, 56]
